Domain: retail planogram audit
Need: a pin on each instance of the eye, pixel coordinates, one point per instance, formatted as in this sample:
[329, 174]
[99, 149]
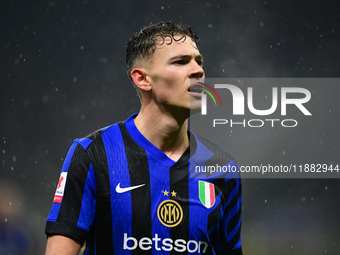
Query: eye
[181, 62]
[199, 62]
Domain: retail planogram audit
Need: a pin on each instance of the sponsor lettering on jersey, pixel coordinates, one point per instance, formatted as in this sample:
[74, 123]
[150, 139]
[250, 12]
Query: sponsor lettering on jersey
[170, 213]
[58, 197]
[166, 244]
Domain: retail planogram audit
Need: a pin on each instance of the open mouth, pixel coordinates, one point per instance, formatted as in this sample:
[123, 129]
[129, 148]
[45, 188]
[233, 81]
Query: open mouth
[196, 88]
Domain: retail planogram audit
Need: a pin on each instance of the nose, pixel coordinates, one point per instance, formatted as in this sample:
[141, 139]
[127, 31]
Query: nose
[196, 70]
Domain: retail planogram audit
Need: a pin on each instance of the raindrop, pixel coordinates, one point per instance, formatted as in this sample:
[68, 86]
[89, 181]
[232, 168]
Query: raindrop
[27, 103]
[45, 99]
[103, 60]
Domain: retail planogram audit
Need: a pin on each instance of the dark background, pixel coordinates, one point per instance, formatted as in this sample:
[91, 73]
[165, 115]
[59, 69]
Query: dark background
[63, 76]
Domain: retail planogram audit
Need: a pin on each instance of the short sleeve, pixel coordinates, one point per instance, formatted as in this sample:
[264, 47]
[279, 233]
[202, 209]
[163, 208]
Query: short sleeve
[73, 209]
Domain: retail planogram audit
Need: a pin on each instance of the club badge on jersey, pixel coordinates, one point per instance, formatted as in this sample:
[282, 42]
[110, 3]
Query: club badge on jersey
[58, 197]
[206, 192]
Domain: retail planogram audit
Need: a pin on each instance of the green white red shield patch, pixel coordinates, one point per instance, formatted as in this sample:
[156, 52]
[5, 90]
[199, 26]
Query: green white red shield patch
[206, 192]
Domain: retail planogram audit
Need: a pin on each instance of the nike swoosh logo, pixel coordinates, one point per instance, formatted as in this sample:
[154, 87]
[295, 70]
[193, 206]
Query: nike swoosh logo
[122, 190]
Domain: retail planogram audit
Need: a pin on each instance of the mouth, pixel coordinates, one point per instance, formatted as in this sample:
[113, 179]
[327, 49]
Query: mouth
[196, 89]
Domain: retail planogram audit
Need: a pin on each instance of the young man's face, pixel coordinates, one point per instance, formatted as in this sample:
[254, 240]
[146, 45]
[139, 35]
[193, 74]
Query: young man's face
[173, 71]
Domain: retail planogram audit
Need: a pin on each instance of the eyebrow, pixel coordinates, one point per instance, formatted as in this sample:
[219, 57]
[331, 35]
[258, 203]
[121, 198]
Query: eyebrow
[186, 56]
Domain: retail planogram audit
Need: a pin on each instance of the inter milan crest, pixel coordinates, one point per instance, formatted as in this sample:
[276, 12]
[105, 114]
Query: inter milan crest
[170, 213]
[206, 191]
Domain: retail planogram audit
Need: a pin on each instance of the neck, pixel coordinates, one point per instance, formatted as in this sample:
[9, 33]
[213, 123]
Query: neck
[164, 131]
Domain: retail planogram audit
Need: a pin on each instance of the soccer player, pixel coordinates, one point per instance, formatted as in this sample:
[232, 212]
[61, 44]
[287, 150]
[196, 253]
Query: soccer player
[137, 187]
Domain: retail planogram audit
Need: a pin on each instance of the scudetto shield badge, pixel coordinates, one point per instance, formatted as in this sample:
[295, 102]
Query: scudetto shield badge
[206, 192]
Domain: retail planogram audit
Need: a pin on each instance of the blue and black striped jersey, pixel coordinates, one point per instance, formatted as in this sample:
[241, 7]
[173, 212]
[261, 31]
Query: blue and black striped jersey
[119, 194]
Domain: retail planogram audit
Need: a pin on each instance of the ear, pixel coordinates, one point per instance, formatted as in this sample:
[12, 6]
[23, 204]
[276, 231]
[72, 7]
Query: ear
[140, 78]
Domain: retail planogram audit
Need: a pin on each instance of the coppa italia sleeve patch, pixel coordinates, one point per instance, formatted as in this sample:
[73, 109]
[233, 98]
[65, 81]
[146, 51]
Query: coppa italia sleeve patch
[60, 188]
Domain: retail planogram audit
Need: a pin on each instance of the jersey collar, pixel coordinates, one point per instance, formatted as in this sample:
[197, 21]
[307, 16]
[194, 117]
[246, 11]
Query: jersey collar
[160, 155]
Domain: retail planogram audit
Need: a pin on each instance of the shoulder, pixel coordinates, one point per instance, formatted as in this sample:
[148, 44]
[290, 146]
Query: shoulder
[109, 134]
[99, 136]
[208, 143]
[213, 161]
[204, 144]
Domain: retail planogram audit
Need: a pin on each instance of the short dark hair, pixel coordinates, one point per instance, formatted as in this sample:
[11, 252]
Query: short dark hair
[143, 44]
